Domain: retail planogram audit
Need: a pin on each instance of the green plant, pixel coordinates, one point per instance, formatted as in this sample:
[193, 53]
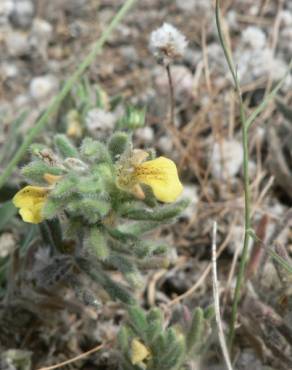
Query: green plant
[145, 343]
[100, 209]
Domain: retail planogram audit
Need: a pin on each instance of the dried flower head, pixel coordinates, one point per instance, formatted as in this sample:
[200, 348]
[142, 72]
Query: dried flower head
[167, 43]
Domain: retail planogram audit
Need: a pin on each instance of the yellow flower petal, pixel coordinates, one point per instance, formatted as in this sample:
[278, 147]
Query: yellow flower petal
[161, 174]
[29, 195]
[139, 352]
[31, 215]
[30, 200]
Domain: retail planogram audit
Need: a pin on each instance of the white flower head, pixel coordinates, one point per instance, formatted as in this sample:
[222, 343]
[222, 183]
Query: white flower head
[167, 43]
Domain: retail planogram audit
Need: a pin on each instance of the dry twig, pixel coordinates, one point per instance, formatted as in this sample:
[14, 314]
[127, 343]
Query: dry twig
[76, 358]
[216, 300]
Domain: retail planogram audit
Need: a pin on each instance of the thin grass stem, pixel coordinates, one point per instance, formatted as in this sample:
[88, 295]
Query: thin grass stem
[247, 220]
[245, 124]
[171, 93]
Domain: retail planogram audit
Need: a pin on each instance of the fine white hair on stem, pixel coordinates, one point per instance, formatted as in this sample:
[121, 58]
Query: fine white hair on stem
[216, 300]
[167, 43]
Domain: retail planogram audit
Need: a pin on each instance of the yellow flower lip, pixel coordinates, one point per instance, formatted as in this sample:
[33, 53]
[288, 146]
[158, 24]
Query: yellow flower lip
[139, 352]
[31, 200]
[161, 175]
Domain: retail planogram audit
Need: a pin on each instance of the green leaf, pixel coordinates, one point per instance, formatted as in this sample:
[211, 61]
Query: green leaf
[97, 243]
[95, 151]
[35, 171]
[137, 319]
[127, 268]
[7, 211]
[118, 144]
[159, 214]
[123, 339]
[194, 336]
[65, 147]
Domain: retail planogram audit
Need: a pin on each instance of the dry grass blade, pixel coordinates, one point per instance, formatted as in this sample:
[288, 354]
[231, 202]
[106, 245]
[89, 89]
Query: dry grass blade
[76, 358]
[217, 301]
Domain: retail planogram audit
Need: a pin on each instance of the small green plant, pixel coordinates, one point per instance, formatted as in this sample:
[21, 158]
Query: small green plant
[93, 203]
[105, 193]
[145, 343]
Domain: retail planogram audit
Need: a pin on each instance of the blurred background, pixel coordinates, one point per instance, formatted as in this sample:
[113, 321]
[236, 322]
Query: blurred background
[42, 42]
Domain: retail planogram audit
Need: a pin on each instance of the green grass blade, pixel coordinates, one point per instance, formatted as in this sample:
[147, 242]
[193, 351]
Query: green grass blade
[7, 211]
[267, 99]
[281, 261]
[226, 50]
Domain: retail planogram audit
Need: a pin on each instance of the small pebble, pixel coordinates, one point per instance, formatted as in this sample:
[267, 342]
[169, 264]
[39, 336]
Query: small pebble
[17, 43]
[6, 7]
[226, 158]
[186, 5]
[99, 122]
[190, 191]
[165, 144]
[129, 53]
[254, 37]
[43, 87]
[42, 28]
[7, 244]
[9, 70]
[145, 134]
[286, 17]
[22, 14]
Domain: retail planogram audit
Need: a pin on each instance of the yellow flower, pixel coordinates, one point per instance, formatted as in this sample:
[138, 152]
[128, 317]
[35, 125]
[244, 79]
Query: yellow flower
[31, 200]
[139, 352]
[160, 174]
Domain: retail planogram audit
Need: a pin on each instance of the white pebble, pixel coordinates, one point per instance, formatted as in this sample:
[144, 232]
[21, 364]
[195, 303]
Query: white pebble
[22, 13]
[6, 6]
[165, 144]
[21, 101]
[7, 244]
[186, 5]
[43, 87]
[17, 43]
[42, 28]
[286, 17]
[9, 70]
[190, 192]
[226, 158]
[98, 120]
[145, 134]
[254, 37]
